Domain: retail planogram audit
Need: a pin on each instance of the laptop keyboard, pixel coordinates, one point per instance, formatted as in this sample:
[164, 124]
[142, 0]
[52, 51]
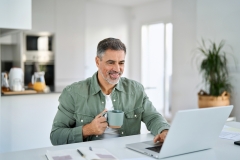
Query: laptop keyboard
[155, 149]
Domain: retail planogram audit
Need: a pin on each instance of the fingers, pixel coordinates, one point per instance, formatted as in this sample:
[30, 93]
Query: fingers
[157, 138]
[99, 124]
[160, 137]
[101, 119]
[104, 125]
[102, 113]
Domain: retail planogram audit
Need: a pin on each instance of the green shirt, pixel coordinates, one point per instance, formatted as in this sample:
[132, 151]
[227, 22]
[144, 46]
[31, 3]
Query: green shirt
[80, 102]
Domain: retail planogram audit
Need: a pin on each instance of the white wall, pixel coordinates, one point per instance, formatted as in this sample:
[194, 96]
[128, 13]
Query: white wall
[103, 21]
[221, 22]
[15, 14]
[193, 20]
[70, 42]
[26, 121]
[158, 11]
[185, 77]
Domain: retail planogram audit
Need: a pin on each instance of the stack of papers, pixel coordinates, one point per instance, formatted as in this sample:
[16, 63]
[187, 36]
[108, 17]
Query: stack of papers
[84, 154]
[230, 133]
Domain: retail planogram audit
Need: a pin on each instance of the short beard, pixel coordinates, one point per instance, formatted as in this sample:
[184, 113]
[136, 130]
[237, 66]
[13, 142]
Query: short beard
[109, 80]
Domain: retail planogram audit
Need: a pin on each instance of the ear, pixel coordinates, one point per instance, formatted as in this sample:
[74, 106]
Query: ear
[97, 60]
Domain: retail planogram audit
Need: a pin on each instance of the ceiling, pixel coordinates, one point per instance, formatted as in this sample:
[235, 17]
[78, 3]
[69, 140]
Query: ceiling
[126, 3]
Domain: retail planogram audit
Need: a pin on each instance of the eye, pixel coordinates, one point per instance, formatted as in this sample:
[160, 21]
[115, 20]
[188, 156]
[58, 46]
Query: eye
[110, 62]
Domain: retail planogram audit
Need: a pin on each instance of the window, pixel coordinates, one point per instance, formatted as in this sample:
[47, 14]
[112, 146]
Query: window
[156, 71]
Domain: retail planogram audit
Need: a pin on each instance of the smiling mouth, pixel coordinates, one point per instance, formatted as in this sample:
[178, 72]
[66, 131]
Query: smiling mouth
[114, 75]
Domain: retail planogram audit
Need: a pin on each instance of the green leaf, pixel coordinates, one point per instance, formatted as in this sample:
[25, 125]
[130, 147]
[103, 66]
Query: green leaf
[213, 67]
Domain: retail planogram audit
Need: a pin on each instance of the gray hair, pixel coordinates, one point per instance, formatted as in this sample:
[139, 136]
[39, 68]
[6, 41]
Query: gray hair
[109, 43]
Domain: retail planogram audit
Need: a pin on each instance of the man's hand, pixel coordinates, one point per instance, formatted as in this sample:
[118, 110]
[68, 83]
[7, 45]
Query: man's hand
[160, 137]
[96, 127]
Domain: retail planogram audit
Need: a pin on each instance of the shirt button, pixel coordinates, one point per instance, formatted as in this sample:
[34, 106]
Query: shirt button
[135, 115]
[122, 132]
[102, 102]
[114, 100]
[96, 135]
[81, 120]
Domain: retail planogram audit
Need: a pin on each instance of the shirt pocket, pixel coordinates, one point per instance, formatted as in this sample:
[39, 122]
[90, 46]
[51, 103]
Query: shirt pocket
[132, 121]
[82, 120]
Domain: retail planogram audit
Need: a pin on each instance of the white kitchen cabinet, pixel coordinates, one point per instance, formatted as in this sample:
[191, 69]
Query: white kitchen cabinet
[43, 15]
[26, 121]
[16, 14]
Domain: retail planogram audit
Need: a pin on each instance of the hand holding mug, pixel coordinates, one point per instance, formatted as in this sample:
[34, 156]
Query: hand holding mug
[96, 127]
[114, 118]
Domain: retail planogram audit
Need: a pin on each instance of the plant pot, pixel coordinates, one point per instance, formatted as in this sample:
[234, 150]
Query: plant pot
[205, 100]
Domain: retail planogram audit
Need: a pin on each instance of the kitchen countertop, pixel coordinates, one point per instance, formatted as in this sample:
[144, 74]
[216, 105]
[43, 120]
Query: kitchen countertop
[53, 90]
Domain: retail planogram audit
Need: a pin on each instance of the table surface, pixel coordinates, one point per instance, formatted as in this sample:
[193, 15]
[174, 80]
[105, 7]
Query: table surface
[223, 149]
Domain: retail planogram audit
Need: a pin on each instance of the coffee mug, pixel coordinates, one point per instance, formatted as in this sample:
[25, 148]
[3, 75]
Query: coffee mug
[115, 118]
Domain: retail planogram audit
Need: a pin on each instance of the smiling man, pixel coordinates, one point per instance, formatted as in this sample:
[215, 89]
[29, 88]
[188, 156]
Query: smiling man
[81, 104]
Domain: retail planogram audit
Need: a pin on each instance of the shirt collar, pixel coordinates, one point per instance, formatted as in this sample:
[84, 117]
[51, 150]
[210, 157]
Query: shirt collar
[119, 86]
[95, 88]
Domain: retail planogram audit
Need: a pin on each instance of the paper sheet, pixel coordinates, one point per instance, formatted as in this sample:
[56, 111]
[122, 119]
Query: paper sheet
[230, 133]
[72, 154]
[68, 154]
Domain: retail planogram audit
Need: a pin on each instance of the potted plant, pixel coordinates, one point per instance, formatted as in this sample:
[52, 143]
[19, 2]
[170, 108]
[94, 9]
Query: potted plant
[215, 76]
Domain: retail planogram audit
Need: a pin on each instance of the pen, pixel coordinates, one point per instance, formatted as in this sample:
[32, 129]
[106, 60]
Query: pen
[90, 148]
[80, 153]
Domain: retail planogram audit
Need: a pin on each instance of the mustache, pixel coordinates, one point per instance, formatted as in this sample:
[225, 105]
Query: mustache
[115, 72]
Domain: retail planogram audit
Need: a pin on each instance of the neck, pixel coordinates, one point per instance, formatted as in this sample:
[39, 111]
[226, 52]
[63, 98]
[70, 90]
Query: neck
[104, 85]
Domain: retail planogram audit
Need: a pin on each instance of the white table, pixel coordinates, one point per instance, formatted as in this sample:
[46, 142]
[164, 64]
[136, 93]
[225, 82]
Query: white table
[224, 149]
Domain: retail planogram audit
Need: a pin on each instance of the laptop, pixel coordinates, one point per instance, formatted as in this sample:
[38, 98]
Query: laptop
[191, 131]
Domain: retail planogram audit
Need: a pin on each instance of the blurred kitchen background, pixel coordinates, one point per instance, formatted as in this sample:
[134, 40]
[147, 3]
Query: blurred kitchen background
[60, 37]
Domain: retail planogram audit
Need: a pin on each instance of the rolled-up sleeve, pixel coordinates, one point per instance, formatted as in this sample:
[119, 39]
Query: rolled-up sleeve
[64, 130]
[154, 121]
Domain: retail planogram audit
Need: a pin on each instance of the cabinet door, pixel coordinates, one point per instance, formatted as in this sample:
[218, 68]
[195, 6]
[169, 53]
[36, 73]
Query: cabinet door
[16, 14]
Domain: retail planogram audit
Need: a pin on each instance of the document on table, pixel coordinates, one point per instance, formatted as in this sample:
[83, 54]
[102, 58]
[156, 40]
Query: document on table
[84, 153]
[230, 133]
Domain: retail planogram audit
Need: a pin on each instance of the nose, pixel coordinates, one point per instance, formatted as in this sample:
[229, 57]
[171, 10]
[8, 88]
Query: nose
[116, 68]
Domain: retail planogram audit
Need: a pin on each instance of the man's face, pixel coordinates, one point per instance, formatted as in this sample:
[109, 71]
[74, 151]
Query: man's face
[111, 66]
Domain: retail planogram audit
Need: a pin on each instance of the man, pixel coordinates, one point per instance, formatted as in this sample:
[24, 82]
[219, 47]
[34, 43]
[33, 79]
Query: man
[79, 117]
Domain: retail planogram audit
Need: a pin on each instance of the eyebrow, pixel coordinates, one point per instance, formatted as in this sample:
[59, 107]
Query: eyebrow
[115, 61]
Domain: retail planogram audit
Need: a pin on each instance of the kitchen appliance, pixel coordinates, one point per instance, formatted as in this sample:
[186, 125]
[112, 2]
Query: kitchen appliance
[5, 84]
[38, 46]
[16, 79]
[38, 81]
[38, 56]
[31, 67]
